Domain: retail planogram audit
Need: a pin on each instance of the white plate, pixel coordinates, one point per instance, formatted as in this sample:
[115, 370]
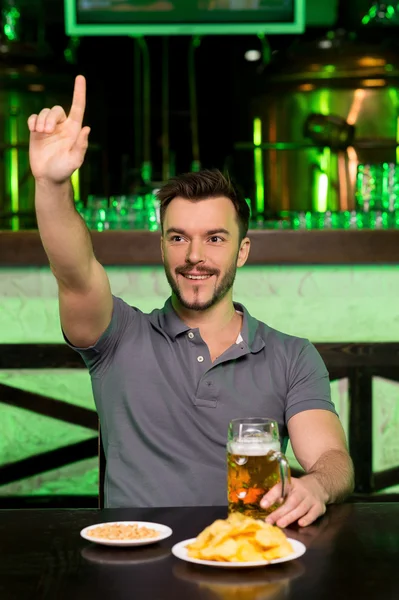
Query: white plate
[165, 532]
[180, 551]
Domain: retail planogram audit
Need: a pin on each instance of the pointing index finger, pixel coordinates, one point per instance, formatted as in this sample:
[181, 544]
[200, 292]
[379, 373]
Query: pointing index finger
[79, 100]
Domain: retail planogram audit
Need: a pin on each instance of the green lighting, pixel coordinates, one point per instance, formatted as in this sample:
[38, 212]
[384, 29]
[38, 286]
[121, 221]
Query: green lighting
[146, 172]
[324, 97]
[321, 182]
[76, 185]
[8, 31]
[330, 291]
[329, 68]
[196, 166]
[73, 27]
[70, 53]
[322, 192]
[11, 18]
[397, 140]
[380, 13]
[258, 161]
[11, 158]
[257, 132]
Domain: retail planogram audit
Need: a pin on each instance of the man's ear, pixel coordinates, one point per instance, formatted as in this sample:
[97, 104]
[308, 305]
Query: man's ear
[243, 252]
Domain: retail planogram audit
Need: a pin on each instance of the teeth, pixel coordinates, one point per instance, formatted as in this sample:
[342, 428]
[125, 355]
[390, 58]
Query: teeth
[197, 276]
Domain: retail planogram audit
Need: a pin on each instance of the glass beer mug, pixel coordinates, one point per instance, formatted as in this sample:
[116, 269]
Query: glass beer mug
[254, 465]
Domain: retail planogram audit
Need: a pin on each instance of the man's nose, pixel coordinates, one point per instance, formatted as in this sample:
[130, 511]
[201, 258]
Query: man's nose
[195, 252]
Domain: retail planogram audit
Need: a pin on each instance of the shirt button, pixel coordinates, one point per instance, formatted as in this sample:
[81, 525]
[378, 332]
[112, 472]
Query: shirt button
[200, 359]
[191, 335]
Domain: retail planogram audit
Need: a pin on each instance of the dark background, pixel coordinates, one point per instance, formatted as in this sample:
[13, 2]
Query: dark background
[226, 84]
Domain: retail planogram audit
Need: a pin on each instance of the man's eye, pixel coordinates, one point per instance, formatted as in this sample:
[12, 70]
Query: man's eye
[216, 238]
[176, 238]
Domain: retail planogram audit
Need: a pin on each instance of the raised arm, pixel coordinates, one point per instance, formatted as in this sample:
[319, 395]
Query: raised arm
[58, 145]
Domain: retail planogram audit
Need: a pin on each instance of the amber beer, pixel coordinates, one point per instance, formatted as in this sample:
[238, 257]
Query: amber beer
[254, 465]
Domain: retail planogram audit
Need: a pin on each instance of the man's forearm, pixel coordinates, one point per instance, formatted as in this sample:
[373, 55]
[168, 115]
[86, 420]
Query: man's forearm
[334, 472]
[64, 234]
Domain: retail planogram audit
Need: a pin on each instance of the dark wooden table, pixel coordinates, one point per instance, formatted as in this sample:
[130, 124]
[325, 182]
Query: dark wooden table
[353, 552]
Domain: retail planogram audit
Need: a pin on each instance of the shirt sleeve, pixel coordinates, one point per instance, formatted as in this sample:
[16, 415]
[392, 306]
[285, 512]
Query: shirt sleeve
[98, 356]
[308, 383]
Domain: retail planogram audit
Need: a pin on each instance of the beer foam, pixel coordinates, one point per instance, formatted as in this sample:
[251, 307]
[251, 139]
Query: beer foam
[250, 448]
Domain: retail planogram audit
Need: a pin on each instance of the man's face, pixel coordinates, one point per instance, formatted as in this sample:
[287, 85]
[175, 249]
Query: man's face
[201, 250]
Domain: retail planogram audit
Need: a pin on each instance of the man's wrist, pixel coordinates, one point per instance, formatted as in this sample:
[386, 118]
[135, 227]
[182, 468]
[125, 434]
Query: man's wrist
[317, 480]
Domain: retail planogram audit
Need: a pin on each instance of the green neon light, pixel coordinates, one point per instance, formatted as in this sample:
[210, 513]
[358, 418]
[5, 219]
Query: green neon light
[370, 15]
[11, 18]
[257, 132]
[380, 13]
[12, 159]
[76, 185]
[146, 172]
[322, 192]
[324, 97]
[71, 51]
[74, 28]
[258, 162]
[325, 160]
[322, 182]
[397, 140]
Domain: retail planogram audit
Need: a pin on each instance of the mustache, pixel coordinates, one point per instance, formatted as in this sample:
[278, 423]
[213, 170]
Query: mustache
[200, 270]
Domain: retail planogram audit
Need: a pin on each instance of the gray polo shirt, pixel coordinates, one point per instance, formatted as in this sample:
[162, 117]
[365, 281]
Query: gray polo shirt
[164, 407]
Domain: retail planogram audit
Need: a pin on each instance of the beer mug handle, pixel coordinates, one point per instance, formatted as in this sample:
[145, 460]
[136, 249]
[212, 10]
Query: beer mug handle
[285, 473]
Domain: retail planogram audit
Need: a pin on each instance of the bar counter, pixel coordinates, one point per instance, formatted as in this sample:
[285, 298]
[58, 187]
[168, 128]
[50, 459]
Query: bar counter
[351, 553]
[269, 247]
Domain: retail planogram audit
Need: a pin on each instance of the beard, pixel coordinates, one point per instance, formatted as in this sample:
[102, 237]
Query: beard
[219, 292]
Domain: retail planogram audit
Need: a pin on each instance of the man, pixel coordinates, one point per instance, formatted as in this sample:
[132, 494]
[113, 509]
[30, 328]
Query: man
[167, 384]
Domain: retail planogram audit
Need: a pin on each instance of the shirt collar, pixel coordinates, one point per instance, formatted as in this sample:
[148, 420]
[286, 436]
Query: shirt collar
[170, 322]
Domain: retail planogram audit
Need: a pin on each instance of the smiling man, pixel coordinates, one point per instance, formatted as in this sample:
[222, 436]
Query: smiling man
[203, 244]
[166, 384]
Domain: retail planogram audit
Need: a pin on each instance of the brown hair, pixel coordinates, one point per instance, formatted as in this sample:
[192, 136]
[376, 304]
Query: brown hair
[203, 185]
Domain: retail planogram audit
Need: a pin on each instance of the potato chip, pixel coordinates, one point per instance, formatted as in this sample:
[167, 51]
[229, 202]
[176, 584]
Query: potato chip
[209, 532]
[240, 539]
[269, 536]
[247, 552]
[225, 551]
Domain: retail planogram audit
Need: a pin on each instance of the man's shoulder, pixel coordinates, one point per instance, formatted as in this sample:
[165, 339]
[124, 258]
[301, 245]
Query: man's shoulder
[126, 306]
[279, 337]
[142, 319]
[295, 353]
[280, 341]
